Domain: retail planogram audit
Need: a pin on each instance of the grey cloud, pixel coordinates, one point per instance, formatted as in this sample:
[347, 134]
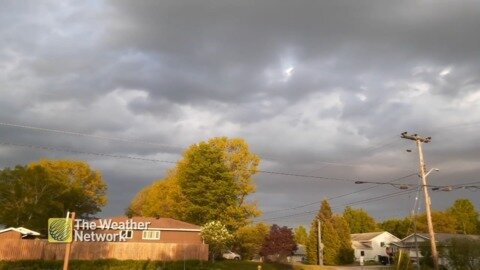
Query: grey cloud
[176, 72]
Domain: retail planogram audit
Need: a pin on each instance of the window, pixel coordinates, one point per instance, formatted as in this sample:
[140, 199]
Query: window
[151, 235]
[128, 234]
[382, 244]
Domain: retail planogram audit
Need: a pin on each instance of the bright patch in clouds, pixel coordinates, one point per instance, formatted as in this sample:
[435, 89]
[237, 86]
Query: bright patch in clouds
[362, 97]
[445, 72]
[289, 72]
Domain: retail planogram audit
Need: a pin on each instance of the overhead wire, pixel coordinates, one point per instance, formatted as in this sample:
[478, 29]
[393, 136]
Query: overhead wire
[372, 148]
[338, 196]
[363, 201]
[126, 140]
[67, 132]
[58, 149]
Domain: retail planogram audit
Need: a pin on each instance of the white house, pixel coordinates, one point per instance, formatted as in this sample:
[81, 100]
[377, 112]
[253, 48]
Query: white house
[373, 244]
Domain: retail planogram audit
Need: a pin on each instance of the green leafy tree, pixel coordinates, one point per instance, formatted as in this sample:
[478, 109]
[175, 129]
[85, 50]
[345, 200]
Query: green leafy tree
[462, 253]
[279, 243]
[29, 195]
[335, 237]
[217, 236]
[249, 239]
[85, 188]
[206, 183]
[398, 227]
[359, 221]
[443, 222]
[301, 235]
[465, 215]
[210, 182]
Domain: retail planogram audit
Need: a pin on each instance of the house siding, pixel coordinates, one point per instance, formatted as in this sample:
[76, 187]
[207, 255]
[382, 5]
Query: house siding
[376, 247]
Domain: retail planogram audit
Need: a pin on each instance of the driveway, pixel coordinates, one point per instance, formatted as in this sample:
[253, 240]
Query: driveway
[370, 267]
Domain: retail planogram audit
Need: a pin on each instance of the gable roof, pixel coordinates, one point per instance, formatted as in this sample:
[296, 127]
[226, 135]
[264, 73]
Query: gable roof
[440, 237]
[359, 245]
[21, 230]
[157, 223]
[364, 236]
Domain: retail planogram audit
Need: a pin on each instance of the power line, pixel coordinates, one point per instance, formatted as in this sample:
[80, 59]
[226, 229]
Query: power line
[307, 176]
[90, 135]
[338, 196]
[382, 197]
[57, 149]
[179, 148]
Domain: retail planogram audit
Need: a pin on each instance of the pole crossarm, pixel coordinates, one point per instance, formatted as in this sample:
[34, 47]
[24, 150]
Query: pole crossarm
[415, 137]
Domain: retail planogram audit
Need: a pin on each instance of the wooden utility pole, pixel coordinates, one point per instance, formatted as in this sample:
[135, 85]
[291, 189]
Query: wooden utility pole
[68, 247]
[414, 213]
[419, 140]
[320, 244]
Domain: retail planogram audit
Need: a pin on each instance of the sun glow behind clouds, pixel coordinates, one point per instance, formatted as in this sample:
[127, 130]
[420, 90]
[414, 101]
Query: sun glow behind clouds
[289, 71]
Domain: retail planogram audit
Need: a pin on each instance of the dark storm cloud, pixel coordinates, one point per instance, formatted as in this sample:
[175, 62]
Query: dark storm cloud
[321, 88]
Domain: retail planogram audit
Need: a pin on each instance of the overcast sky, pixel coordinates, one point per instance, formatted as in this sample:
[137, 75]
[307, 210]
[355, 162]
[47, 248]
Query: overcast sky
[320, 88]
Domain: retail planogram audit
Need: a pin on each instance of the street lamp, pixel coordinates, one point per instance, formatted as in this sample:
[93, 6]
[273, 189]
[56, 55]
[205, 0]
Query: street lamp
[431, 170]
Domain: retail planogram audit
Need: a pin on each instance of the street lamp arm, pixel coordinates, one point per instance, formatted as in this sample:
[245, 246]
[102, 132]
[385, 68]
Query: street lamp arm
[431, 170]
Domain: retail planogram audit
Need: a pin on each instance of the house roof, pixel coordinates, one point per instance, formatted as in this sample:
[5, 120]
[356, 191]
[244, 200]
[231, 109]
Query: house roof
[440, 237]
[21, 230]
[359, 245]
[364, 236]
[301, 250]
[157, 223]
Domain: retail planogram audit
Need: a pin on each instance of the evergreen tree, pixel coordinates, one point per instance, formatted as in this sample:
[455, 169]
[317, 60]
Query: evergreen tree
[345, 252]
[312, 243]
[301, 236]
[332, 243]
[335, 237]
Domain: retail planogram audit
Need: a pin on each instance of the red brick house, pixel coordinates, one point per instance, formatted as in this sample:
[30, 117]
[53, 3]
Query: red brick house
[143, 229]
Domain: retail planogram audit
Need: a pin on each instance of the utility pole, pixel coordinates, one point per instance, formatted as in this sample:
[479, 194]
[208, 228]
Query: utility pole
[419, 140]
[320, 244]
[414, 213]
[68, 247]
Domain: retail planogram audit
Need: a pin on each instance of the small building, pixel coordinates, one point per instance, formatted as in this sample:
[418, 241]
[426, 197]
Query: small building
[409, 244]
[145, 229]
[372, 245]
[18, 233]
[299, 255]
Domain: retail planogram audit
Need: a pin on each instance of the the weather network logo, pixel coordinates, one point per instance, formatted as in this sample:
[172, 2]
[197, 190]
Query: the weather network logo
[60, 230]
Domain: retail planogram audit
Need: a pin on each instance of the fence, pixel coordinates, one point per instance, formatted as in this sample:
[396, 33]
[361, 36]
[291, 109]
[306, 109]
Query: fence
[18, 249]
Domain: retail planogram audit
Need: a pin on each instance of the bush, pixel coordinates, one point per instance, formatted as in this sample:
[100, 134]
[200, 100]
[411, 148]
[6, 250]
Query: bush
[403, 261]
[462, 253]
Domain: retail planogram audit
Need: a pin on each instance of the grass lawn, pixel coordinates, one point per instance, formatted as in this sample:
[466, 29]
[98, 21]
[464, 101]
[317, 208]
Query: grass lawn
[150, 265]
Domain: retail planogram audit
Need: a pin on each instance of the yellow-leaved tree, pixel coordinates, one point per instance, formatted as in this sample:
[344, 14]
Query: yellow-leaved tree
[30, 195]
[84, 190]
[210, 182]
